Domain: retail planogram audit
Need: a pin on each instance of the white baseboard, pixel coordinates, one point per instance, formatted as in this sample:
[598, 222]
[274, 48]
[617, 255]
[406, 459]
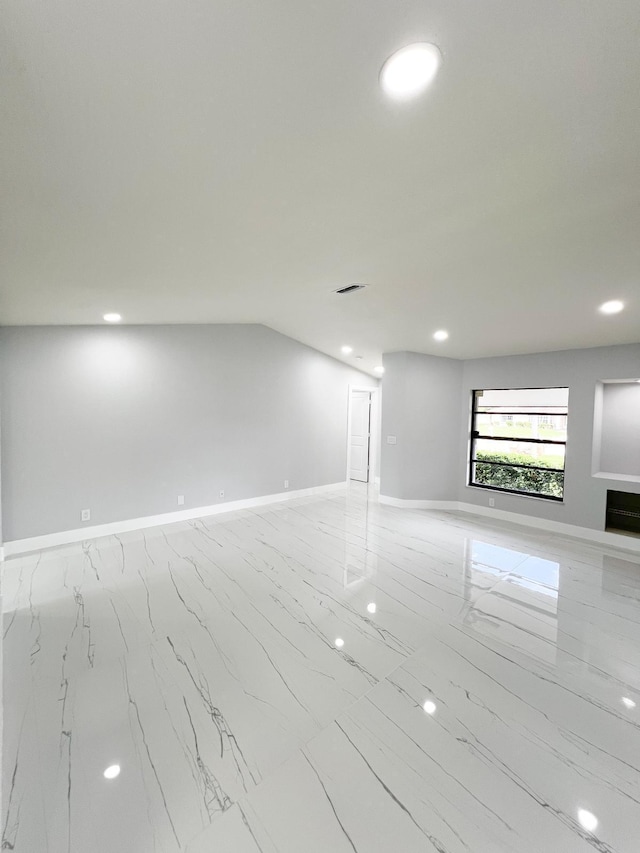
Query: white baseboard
[401, 503]
[601, 537]
[66, 537]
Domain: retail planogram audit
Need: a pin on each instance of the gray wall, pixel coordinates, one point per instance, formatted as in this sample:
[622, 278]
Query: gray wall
[421, 407]
[620, 442]
[1, 532]
[429, 461]
[580, 371]
[121, 420]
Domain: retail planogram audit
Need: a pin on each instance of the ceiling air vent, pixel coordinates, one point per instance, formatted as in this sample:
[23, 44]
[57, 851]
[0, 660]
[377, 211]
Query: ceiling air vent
[351, 288]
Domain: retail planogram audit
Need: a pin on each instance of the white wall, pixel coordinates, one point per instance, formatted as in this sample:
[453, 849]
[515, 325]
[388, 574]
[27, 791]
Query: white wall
[122, 420]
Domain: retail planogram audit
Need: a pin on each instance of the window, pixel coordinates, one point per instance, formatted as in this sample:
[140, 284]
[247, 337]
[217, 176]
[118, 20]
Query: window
[518, 441]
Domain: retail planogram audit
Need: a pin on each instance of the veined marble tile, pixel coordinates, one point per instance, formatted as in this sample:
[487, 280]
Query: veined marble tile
[129, 714]
[231, 834]
[460, 749]
[260, 678]
[23, 820]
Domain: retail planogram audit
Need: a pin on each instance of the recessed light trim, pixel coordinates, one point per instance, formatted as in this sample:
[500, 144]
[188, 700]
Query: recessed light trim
[112, 771]
[628, 703]
[430, 707]
[112, 317]
[440, 335]
[371, 607]
[613, 306]
[347, 350]
[339, 642]
[408, 71]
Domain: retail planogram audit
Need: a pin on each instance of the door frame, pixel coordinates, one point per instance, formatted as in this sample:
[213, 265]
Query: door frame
[374, 419]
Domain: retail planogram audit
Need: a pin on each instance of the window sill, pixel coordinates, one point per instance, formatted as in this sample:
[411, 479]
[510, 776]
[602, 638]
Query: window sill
[491, 490]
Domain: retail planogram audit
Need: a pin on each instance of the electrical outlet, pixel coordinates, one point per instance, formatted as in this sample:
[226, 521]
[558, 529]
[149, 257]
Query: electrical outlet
[180, 500]
[221, 493]
[286, 484]
[86, 514]
[492, 501]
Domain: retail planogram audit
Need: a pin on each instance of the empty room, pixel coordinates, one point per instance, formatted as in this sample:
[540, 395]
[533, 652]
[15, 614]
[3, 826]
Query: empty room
[320, 426]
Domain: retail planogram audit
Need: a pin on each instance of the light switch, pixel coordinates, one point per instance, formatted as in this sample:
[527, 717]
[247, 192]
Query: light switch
[391, 439]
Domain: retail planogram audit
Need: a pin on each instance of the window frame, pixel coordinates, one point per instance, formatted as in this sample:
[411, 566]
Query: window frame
[474, 434]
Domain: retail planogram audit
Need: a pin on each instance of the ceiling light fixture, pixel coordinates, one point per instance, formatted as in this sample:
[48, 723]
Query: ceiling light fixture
[408, 71]
[371, 607]
[628, 703]
[429, 707]
[112, 318]
[339, 643]
[440, 335]
[112, 772]
[614, 306]
[379, 369]
[347, 350]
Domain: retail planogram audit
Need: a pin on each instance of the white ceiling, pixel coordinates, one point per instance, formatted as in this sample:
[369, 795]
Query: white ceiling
[209, 161]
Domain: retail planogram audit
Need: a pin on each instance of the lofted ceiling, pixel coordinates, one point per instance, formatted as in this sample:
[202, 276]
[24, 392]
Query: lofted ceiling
[208, 161]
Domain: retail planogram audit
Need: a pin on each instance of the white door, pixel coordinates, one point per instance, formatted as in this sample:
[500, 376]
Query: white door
[359, 438]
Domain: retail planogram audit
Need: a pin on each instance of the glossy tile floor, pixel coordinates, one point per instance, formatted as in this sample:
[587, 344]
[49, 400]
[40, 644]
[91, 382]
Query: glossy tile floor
[323, 676]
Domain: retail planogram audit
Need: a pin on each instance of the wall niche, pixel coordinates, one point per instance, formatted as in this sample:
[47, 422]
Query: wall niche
[616, 430]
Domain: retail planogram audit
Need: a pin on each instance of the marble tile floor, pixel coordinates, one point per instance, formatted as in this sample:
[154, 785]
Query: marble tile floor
[327, 675]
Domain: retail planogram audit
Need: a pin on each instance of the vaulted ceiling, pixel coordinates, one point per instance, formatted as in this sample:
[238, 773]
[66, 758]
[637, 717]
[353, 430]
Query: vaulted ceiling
[236, 161]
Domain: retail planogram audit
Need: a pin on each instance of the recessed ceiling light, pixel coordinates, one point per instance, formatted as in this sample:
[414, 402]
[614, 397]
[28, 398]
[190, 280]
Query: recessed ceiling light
[429, 707]
[112, 772]
[614, 306]
[112, 318]
[347, 350]
[440, 335]
[339, 643]
[409, 70]
[628, 703]
[379, 369]
[588, 820]
[372, 607]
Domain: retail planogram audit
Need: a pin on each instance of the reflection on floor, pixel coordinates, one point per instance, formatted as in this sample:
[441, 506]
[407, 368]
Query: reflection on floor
[322, 676]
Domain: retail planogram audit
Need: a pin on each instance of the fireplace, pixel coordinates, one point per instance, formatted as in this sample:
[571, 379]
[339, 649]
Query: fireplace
[623, 512]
